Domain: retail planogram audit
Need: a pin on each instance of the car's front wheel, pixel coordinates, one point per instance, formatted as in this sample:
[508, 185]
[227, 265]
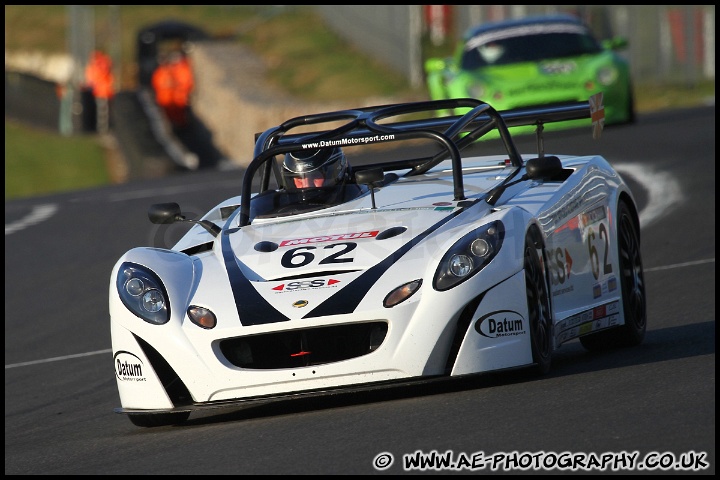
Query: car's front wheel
[158, 419]
[538, 300]
[632, 284]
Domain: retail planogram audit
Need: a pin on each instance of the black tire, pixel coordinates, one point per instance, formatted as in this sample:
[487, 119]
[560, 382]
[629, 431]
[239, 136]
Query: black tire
[632, 284]
[538, 300]
[158, 419]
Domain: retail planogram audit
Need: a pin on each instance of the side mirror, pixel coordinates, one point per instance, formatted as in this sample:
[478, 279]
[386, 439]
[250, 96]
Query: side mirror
[543, 167]
[370, 177]
[435, 65]
[615, 43]
[165, 213]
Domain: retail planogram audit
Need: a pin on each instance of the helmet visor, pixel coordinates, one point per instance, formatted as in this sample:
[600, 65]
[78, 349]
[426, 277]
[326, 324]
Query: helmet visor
[313, 169]
[315, 179]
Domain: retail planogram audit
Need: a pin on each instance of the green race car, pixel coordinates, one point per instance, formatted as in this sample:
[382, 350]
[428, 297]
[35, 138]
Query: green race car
[533, 62]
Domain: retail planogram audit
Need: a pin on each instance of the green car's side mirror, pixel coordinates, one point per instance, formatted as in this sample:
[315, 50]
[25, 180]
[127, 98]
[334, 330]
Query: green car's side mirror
[435, 65]
[615, 43]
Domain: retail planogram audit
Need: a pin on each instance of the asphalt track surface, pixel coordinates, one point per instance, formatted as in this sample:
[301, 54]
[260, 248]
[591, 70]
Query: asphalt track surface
[656, 400]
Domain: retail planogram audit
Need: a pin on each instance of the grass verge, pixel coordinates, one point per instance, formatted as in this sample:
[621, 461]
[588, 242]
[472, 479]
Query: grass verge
[39, 162]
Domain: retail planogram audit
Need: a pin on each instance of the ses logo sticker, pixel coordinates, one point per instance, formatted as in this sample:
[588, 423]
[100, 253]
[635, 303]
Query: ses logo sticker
[503, 323]
[305, 284]
[128, 367]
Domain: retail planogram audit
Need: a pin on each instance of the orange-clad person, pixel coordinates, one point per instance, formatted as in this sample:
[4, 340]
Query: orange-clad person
[163, 84]
[173, 83]
[184, 84]
[100, 80]
[99, 76]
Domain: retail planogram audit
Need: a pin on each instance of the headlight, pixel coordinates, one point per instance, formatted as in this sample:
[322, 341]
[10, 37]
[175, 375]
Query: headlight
[607, 75]
[469, 255]
[142, 292]
[476, 90]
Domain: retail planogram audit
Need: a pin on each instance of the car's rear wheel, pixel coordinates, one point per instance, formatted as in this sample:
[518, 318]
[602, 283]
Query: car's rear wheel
[158, 419]
[632, 284]
[538, 300]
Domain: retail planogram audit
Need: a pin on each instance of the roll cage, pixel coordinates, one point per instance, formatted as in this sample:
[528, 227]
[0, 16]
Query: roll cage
[361, 126]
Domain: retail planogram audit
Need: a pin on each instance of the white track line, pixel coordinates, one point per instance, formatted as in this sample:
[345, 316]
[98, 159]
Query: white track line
[664, 192]
[38, 214]
[57, 359]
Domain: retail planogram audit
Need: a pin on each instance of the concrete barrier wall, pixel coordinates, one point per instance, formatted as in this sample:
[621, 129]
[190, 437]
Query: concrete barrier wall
[232, 97]
[235, 102]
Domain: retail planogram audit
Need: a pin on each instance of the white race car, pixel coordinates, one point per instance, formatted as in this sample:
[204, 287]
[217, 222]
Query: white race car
[328, 274]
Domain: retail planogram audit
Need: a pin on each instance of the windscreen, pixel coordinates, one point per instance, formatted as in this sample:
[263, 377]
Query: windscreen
[529, 43]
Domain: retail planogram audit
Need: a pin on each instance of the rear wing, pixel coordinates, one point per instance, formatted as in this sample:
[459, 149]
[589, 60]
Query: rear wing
[363, 122]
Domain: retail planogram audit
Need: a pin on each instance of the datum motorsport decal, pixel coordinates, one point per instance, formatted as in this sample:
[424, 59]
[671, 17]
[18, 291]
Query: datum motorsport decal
[503, 323]
[128, 367]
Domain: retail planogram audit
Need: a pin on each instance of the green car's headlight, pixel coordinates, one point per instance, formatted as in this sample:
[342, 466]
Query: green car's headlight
[476, 91]
[142, 292]
[607, 75]
[469, 255]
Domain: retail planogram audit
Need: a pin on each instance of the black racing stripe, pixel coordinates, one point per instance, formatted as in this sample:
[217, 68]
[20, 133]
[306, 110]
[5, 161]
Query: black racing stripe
[347, 299]
[252, 308]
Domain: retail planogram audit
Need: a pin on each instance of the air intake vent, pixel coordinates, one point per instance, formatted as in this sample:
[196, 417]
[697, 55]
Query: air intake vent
[302, 348]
